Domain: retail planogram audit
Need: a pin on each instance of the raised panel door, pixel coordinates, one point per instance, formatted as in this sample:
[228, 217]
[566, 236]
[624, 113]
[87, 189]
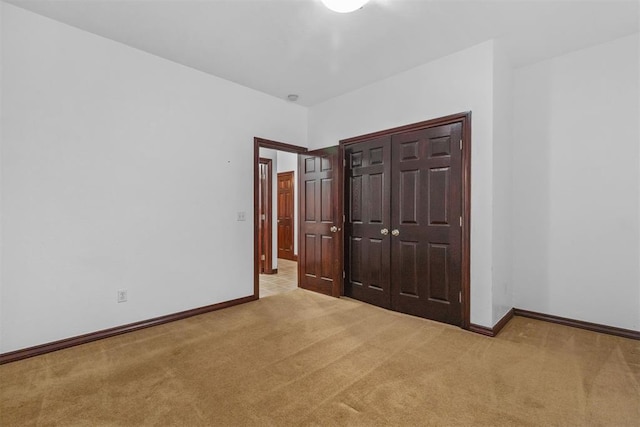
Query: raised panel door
[426, 209]
[320, 243]
[367, 221]
[285, 215]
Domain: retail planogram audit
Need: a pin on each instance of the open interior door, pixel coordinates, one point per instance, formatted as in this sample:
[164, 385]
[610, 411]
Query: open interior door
[320, 260]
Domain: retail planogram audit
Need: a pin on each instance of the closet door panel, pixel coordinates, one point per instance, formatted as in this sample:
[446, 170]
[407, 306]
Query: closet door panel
[367, 212]
[426, 206]
[409, 186]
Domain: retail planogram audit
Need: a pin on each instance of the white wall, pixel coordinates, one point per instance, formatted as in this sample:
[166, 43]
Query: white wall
[576, 185]
[502, 291]
[288, 162]
[115, 168]
[459, 82]
[120, 170]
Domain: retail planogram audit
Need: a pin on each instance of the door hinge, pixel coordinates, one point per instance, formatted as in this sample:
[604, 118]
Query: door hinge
[263, 257]
[460, 221]
[461, 144]
[263, 217]
[344, 162]
[344, 219]
[343, 275]
[460, 296]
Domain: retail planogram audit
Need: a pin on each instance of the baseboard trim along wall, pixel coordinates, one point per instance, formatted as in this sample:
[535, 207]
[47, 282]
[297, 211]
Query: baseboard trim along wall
[118, 330]
[14, 356]
[492, 332]
[595, 327]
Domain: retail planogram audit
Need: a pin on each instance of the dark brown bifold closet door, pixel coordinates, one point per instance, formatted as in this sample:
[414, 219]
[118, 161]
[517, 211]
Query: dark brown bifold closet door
[426, 200]
[408, 184]
[367, 222]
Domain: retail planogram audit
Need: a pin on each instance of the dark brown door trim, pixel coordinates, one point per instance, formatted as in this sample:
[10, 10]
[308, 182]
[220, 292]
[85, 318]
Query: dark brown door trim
[465, 119]
[265, 215]
[264, 143]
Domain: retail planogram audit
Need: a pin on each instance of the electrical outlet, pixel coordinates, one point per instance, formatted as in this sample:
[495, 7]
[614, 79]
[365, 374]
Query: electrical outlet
[242, 216]
[122, 295]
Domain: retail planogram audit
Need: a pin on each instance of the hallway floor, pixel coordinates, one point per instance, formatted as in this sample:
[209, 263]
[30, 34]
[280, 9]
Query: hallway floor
[285, 280]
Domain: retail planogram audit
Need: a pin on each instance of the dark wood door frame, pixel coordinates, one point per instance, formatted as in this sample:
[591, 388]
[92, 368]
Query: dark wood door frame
[265, 224]
[465, 119]
[257, 144]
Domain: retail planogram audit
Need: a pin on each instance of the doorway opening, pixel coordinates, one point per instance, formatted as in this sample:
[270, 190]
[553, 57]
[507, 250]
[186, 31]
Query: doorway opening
[275, 216]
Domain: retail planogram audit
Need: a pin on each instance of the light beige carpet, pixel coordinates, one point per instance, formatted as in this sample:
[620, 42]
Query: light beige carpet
[301, 358]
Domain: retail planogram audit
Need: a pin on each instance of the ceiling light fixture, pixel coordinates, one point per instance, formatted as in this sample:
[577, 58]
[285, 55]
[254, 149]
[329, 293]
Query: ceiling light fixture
[344, 6]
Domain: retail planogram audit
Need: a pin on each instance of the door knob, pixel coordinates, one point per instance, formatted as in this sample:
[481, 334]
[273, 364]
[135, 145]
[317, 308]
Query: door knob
[395, 232]
[333, 229]
[384, 231]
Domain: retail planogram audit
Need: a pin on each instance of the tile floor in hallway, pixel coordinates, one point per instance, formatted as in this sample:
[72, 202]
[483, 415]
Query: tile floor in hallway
[285, 280]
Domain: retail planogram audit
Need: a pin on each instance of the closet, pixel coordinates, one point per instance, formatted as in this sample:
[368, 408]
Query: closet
[404, 221]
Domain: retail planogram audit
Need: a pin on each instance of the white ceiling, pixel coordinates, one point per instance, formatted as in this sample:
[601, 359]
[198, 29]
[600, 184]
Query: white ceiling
[297, 46]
